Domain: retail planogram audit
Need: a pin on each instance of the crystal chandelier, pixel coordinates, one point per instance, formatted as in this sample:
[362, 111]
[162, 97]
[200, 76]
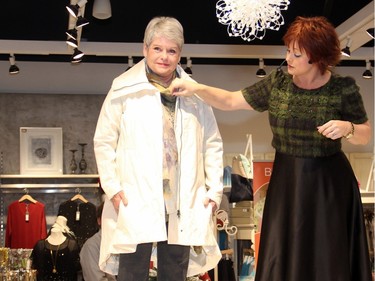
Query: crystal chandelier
[249, 19]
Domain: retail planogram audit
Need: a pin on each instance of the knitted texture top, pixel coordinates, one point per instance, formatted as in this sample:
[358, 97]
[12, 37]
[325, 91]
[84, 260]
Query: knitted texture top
[295, 113]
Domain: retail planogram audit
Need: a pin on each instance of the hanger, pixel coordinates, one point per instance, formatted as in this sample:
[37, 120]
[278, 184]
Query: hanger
[79, 196]
[27, 197]
[223, 216]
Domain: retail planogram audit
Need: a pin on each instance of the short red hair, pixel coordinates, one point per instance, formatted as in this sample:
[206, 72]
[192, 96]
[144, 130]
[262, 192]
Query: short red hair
[318, 38]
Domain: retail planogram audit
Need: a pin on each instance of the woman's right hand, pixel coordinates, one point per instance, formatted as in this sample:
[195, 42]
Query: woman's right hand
[182, 87]
[119, 198]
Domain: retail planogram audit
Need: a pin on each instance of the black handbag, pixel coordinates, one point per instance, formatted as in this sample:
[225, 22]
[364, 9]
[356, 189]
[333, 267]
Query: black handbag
[242, 176]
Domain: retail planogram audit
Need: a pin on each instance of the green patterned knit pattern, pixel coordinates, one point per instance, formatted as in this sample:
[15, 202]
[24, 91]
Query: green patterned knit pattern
[295, 113]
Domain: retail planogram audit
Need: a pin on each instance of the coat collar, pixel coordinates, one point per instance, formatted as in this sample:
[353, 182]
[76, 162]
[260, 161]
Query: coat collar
[135, 79]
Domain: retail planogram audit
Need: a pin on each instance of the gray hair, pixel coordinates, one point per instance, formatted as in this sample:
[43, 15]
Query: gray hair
[167, 27]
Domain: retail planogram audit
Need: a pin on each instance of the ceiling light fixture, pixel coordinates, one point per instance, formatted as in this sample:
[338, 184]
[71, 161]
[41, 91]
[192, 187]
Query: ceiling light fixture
[130, 63]
[189, 65]
[261, 72]
[72, 33]
[81, 21]
[370, 32]
[77, 54]
[367, 74]
[72, 42]
[13, 69]
[102, 9]
[250, 19]
[74, 9]
[346, 51]
[76, 61]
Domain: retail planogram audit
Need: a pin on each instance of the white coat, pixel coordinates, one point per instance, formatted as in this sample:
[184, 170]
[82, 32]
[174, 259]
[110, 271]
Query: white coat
[128, 146]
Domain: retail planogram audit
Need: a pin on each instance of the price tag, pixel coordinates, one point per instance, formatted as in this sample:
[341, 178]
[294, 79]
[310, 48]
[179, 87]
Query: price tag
[27, 213]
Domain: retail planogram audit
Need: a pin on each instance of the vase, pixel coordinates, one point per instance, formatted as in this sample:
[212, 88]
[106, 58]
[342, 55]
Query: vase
[73, 163]
[82, 162]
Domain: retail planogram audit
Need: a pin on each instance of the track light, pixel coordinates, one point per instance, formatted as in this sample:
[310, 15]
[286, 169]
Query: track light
[76, 61]
[72, 33]
[77, 54]
[367, 74]
[261, 72]
[346, 51]
[81, 21]
[102, 9]
[130, 63]
[189, 65]
[72, 42]
[370, 32]
[74, 9]
[13, 69]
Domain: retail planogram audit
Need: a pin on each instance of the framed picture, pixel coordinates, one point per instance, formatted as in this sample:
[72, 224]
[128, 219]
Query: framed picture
[41, 151]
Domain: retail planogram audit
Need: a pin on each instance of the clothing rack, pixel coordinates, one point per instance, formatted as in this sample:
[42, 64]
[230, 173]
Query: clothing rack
[223, 217]
[43, 184]
[40, 190]
[46, 183]
[230, 230]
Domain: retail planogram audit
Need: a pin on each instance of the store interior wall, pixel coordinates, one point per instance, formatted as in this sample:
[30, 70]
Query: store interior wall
[70, 96]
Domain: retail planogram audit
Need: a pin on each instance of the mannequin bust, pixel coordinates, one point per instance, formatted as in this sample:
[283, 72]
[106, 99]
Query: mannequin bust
[56, 257]
[56, 237]
[61, 222]
[61, 225]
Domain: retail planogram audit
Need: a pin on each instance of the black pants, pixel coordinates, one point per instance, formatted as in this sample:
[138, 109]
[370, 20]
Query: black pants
[172, 263]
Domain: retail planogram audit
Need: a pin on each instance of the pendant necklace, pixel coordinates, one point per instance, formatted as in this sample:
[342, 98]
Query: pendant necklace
[54, 259]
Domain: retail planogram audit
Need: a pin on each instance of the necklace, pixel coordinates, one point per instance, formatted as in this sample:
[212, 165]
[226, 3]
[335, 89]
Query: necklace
[54, 259]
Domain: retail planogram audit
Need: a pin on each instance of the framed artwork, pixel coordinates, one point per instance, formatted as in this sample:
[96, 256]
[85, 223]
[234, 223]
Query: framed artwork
[41, 151]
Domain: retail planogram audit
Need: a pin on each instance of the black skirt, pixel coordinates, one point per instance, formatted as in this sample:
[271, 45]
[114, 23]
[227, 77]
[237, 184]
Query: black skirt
[313, 225]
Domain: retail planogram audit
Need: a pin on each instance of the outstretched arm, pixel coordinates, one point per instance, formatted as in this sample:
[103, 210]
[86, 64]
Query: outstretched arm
[216, 97]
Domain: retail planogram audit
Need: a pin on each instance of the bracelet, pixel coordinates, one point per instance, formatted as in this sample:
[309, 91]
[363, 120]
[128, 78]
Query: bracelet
[351, 133]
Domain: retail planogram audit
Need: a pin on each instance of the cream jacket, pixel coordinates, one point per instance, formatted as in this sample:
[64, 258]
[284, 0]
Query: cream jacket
[128, 148]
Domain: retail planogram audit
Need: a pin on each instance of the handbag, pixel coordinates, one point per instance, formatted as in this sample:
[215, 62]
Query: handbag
[242, 175]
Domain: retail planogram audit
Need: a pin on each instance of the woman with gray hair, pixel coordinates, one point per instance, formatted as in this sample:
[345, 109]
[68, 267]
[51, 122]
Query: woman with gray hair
[160, 164]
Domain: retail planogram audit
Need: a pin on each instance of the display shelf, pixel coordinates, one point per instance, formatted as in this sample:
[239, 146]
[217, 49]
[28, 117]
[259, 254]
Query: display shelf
[368, 197]
[49, 181]
[58, 176]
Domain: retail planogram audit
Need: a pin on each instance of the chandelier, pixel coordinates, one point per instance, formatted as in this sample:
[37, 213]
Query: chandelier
[249, 19]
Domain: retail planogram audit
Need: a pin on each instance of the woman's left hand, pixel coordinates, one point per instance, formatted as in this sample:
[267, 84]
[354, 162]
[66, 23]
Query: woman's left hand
[335, 129]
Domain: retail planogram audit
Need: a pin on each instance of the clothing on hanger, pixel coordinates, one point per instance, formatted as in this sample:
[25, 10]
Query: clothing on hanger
[226, 270]
[81, 218]
[25, 217]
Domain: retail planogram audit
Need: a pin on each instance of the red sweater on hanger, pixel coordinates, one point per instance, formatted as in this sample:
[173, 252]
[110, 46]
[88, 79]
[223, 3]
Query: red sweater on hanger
[23, 233]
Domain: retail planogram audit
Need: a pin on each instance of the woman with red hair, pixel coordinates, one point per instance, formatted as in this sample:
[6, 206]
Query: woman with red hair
[313, 226]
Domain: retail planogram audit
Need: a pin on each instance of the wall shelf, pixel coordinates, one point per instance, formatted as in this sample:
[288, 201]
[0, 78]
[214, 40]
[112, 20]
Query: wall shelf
[368, 197]
[49, 181]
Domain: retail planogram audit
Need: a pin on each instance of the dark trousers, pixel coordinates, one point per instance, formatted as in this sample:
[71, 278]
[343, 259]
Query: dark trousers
[172, 263]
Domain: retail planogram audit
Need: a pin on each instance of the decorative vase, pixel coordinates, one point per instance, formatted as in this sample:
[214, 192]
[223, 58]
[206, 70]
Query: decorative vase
[73, 163]
[82, 162]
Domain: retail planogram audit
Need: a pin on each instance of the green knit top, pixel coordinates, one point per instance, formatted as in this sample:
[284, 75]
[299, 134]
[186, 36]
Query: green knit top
[295, 113]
